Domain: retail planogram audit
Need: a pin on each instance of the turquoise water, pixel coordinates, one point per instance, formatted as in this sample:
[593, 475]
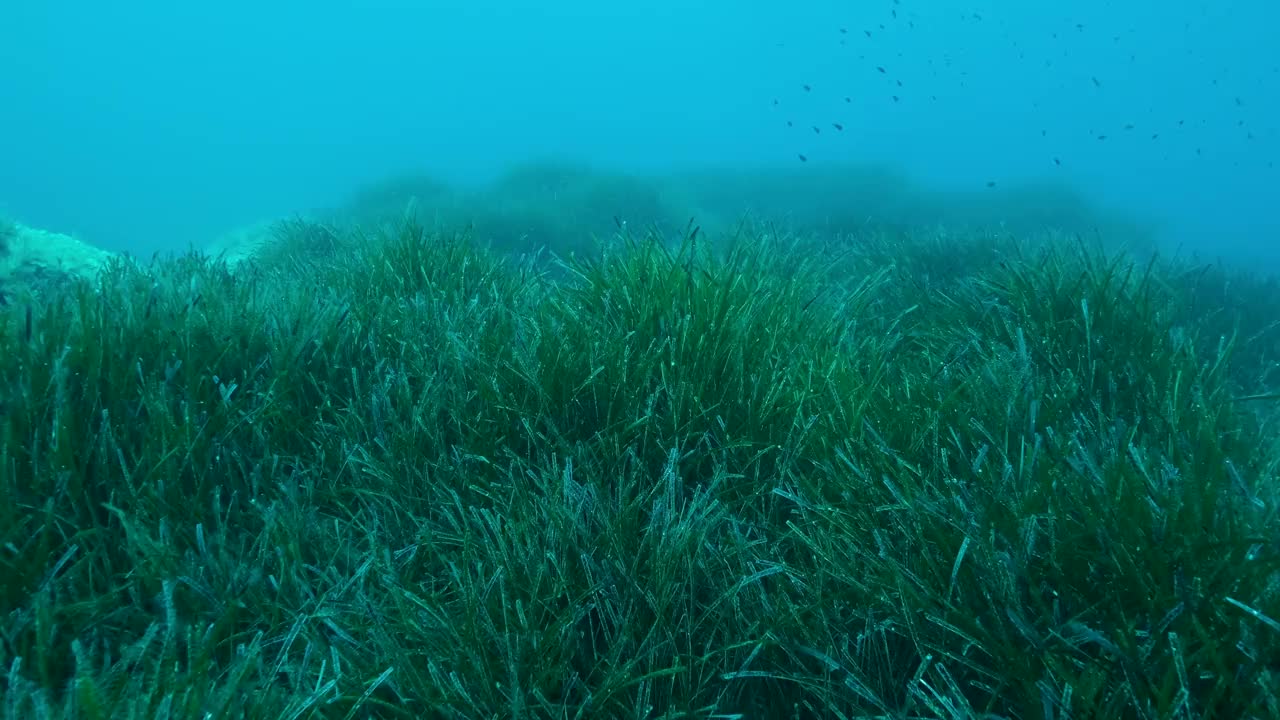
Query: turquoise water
[148, 125]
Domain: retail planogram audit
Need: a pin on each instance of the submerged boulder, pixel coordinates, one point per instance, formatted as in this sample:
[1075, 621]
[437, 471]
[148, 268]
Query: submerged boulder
[35, 259]
[277, 243]
[244, 243]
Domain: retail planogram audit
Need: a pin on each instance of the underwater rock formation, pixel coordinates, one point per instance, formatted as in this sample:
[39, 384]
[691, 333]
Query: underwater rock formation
[31, 258]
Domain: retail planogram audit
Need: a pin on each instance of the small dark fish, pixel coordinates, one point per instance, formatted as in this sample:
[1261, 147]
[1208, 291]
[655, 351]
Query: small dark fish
[775, 102]
[802, 157]
[838, 126]
[807, 88]
[1155, 136]
[899, 83]
[896, 98]
[1057, 161]
[1129, 126]
[881, 69]
[817, 130]
[867, 33]
[1102, 137]
[844, 31]
[991, 183]
[790, 124]
[848, 99]
[1096, 83]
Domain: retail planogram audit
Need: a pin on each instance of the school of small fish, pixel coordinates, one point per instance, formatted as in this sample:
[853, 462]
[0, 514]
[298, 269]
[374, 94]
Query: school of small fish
[902, 20]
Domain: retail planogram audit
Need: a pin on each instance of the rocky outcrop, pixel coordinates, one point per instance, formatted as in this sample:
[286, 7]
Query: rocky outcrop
[34, 259]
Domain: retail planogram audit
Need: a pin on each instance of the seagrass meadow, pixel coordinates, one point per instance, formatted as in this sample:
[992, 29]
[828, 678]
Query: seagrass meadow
[396, 473]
